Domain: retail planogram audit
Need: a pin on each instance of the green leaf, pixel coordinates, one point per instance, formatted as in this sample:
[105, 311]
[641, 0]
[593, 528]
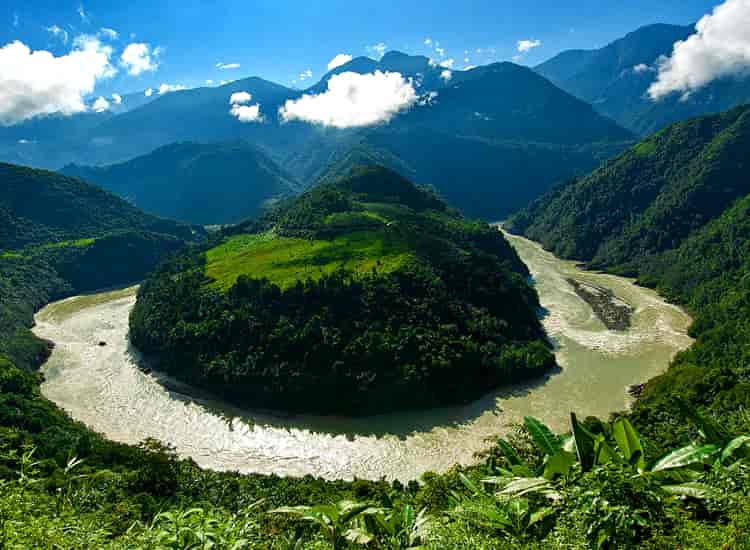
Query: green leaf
[509, 452]
[629, 442]
[585, 447]
[559, 463]
[711, 430]
[525, 485]
[358, 535]
[686, 456]
[548, 442]
[733, 445]
[690, 489]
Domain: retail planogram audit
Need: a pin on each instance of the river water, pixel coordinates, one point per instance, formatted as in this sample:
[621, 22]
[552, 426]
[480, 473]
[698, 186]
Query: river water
[103, 387]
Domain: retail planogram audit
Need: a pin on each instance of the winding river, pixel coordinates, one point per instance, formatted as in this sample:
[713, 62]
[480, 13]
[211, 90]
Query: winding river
[101, 386]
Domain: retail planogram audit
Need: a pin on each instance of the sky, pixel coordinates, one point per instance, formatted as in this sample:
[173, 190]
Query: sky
[199, 42]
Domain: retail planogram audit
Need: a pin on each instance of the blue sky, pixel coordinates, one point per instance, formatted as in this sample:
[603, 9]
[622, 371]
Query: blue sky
[280, 39]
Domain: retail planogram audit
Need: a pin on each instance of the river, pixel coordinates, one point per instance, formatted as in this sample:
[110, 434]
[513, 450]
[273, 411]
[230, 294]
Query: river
[102, 386]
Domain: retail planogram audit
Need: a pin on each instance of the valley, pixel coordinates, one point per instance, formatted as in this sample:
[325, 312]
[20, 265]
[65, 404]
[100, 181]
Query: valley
[105, 388]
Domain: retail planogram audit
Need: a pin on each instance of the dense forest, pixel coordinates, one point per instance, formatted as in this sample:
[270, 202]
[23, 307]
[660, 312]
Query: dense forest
[673, 212]
[363, 295]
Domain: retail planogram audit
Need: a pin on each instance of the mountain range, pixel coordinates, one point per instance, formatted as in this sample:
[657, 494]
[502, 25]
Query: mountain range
[615, 80]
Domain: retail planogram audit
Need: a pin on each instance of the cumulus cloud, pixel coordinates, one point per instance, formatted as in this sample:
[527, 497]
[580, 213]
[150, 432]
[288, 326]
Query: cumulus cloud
[446, 75]
[354, 100]
[111, 34]
[527, 45]
[340, 59]
[139, 58]
[148, 92]
[447, 63]
[642, 68]
[240, 98]
[720, 47]
[82, 14]
[246, 113]
[166, 88]
[116, 99]
[428, 41]
[209, 81]
[227, 66]
[58, 32]
[242, 111]
[304, 75]
[38, 83]
[100, 105]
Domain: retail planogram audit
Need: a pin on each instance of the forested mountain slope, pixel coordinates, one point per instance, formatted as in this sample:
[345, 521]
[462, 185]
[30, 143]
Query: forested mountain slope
[649, 199]
[672, 211]
[60, 235]
[363, 295]
[197, 183]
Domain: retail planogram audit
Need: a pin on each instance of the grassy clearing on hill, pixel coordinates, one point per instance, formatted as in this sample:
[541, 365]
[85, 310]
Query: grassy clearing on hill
[285, 260]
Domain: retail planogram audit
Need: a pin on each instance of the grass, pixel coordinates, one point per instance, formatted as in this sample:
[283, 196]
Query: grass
[645, 148]
[285, 260]
[16, 254]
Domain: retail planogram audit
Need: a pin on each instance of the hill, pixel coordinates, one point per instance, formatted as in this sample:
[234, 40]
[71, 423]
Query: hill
[648, 199]
[60, 235]
[198, 183]
[615, 79]
[363, 295]
[673, 212]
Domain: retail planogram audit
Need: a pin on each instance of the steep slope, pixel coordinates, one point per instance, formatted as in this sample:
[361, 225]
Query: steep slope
[615, 79]
[197, 183]
[648, 199]
[59, 235]
[675, 212]
[363, 295]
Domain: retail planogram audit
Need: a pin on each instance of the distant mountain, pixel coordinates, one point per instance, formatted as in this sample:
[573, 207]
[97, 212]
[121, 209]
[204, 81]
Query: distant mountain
[615, 80]
[424, 72]
[504, 127]
[494, 139]
[38, 207]
[197, 183]
[649, 199]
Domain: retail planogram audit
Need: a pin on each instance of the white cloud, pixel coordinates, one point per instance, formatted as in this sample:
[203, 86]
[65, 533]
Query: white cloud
[148, 92]
[354, 100]
[24, 141]
[340, 59]
[440, 51]
[447, 64]
[57, 32]
[469, 67]
[446, 75]
[38, 83]
[166, 88]
[111, 34]
[221, 83]
[246, 113]
[642, 68]
[428, 41]
[304, 75]
[116, 99]
[139, 58]
[209, 81]
[240, 98]
[100, 105]
[377, 49]
[720, 47]
[227, 66]
[82, 13]
[16, 20]
[527, 45]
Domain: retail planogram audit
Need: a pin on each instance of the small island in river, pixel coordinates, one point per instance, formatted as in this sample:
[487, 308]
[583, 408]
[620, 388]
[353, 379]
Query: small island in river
[612, 311]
